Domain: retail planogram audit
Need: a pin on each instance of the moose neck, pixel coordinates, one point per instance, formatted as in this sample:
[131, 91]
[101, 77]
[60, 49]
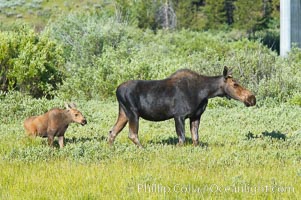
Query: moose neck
[214, 86]
[67, 119]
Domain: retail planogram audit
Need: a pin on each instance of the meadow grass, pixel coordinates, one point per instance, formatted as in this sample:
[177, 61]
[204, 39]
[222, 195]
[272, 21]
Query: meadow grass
[38, 12]
[245, 153]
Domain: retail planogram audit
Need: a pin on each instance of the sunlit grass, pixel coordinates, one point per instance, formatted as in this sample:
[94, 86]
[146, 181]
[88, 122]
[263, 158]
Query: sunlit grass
[245, 153]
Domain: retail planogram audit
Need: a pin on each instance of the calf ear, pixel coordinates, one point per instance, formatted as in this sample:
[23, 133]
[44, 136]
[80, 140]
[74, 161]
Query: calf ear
[73, 105]
[68, 107]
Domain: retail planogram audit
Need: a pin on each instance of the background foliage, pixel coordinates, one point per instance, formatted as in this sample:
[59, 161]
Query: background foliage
[192, 14]
[73, 50]
[87, 54]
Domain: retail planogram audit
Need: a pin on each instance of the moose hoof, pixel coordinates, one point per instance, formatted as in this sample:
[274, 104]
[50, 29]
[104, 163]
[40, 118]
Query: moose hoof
[195, 143]
[180, 144]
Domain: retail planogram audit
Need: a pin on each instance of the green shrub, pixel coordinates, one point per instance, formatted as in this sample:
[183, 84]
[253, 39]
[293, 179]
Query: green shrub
[296, 99]
[104, 53]
[269, 37]
[15, 106]
[30, 63]
[85, 36]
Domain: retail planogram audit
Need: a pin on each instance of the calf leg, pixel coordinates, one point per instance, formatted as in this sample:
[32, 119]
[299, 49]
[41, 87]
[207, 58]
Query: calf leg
[133, 133]
[50, 140]
[61, 141]
[119, 125]
[194, 128]
[50, 134]
[180, 129]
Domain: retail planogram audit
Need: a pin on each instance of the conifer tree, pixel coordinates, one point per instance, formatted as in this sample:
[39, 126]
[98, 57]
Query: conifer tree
[251, 15]
[216, 13]
[190, 14]
[229, 8]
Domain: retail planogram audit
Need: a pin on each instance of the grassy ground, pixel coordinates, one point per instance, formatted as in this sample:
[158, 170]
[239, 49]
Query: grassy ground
[246, 153]
[38, 12]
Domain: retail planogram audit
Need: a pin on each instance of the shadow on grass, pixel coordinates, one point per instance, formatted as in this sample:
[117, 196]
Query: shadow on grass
[174, 141]
[75, 140]
[273, 134]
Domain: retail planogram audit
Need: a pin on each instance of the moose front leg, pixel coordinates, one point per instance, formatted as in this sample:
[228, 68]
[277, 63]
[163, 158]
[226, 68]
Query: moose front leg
[180, 129]
[195, 122]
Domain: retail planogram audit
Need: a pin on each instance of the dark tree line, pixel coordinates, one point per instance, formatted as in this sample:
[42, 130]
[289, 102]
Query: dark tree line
[201, 14]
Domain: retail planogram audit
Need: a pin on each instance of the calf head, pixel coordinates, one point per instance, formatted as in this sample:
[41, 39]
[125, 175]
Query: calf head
[234, 90]
[76, 115]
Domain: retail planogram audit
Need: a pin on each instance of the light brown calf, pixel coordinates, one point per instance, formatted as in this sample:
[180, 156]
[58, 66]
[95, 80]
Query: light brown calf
[54, 123]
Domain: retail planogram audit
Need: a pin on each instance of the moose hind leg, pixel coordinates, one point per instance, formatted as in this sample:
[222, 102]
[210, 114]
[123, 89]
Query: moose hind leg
[133, 131]
[119, 125]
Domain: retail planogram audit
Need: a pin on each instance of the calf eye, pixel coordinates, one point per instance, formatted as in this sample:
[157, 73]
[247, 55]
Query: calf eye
[76, 115]
[236, 85]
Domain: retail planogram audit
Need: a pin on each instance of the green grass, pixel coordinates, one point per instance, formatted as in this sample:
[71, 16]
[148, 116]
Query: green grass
[38, 12]
[246, 153]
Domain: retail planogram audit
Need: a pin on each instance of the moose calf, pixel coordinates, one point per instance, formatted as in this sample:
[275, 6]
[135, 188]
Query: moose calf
[54, 123]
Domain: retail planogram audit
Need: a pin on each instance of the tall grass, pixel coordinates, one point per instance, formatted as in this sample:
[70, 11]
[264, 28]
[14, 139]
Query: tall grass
[245, 153]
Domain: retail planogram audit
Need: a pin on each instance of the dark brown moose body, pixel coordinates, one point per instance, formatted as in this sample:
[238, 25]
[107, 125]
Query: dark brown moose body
[183, 95]
[54, 123]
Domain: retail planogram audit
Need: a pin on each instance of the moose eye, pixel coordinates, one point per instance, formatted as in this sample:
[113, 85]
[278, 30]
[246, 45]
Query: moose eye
[236, 85]
[76, 115]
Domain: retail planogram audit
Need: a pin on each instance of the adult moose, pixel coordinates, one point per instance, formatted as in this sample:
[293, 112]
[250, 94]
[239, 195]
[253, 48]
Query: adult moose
[54, 123]
[183, 95]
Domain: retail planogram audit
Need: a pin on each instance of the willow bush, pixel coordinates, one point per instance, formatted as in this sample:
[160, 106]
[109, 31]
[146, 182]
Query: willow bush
[87, 56]
[130, 53]
[30, 62]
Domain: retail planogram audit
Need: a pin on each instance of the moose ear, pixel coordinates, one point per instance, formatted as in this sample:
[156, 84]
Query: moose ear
[227, 72]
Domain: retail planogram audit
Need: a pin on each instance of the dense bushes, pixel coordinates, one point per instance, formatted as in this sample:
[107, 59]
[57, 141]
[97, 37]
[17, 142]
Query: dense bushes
[17, 106]
[130, 53]
[100, 53]
[30, 63]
